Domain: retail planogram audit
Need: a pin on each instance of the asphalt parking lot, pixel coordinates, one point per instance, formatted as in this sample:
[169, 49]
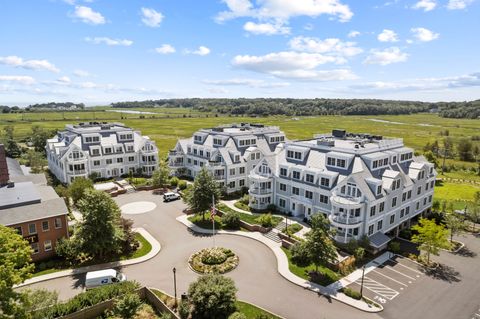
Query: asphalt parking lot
[390, 279]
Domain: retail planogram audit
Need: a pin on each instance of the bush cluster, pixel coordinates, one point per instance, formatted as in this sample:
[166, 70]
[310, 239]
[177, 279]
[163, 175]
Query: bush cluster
[352, 293]
[265, 220]
[90, 298]
[213, 256]
[213, 260]
[231, 220]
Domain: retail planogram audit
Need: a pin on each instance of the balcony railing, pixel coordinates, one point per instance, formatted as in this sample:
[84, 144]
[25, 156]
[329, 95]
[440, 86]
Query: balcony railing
[176, 164]
[346, 220]
[214, 163]
[78, 172]
[219, 177]
[260, 191]
[340, 237]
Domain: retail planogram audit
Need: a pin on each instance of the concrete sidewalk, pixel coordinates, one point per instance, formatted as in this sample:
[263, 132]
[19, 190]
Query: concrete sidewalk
[70, 272]
[282, 266]
[231, 204]
[357, 274]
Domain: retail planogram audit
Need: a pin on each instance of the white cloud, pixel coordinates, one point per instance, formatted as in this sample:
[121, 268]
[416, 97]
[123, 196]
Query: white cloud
[217, 90]
[202, 50]
[284, 9]
[18, 62]
[81, 73]
[165, 49]
[425, 5]
[151, 17]
[253, 83]
[468, 80]
[109, 41]
[64, 79]
[87, 15]
[308, 27]
[387, 56]
[294, 65]
[21, 79]
[458, 4]
[424, 35]
[332, 46]
[387, 36]
[353, 34]
[266, 28]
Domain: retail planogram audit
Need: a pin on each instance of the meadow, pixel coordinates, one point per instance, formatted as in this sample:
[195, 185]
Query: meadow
[168, 125]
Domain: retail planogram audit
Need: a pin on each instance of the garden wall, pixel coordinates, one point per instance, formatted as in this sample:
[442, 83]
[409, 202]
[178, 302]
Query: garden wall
[97, 310]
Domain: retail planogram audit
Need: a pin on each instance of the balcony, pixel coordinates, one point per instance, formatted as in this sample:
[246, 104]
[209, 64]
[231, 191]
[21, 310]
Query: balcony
[174, 153]
[343, 220]
[149, 162]
[346, 201]
[77, 172]
[214, 163]
[341, 238]
[219, 177]
[176, 164]
[260, 191]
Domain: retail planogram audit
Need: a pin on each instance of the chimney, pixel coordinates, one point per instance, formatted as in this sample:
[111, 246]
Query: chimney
[3, 167]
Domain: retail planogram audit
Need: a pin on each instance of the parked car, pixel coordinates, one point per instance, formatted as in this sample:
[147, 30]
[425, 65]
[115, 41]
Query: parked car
[167, 197]
[103, 277]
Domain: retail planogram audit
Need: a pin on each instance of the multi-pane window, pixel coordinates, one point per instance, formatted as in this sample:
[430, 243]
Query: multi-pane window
[19, 230]
[34, 248]
[32, 229]
[241, 182]
[45, 225]
[47, 245]
[419, 190]
[296, 175]
[370, 230]
[58, 222]
[379, 224]
[309, 178]
[283, 187]
[283, 171]
[295, 191]
[392, 219]
[242, 170]
[281, 202]
[309, 194]
[372, 211]
[381, 207]
[323, 199]
[394, 202]
[325, 182]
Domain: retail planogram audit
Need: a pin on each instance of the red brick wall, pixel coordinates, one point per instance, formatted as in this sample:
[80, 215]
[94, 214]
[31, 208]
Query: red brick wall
[53, 234]
[3, 166]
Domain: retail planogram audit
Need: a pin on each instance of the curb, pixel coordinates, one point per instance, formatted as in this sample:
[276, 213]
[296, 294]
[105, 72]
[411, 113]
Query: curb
[282, 266]
[156, 247]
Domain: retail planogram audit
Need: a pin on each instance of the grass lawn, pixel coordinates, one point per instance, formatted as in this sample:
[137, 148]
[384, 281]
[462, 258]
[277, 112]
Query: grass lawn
[248, 218]
[251, 312]
[458, 194]
[59, 265]
[330, 276]
[292, 229]
[206, 223]
[241, 205]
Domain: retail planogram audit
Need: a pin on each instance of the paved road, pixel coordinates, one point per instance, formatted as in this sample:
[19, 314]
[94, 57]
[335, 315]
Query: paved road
[256, 276]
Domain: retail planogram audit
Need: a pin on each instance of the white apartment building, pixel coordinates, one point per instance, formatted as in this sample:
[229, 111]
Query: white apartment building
[229, 152]
[108, 149]
[365, 185]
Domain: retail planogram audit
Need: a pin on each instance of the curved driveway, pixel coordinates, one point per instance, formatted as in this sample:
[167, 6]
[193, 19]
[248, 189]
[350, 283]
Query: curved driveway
[256, 277]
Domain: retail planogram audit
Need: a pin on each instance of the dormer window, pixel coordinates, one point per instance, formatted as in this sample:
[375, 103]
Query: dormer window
[95, 152]
[406, 156]
[108, 150]
[294, 155]
[197, 138]
[283, 172]
[379, 189]
[309, 178]
[325, 182]
[296, 174]
[340, 162]
[217, 142]
[92, 139]
[237, 158]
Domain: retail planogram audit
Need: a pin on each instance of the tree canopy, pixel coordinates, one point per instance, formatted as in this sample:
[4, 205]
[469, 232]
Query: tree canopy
[430, 237]
[199, 198]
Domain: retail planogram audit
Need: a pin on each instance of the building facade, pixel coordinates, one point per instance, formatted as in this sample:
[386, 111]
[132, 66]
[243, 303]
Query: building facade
[364, 184]
[106, 149]
[229, 152]
[31, 207]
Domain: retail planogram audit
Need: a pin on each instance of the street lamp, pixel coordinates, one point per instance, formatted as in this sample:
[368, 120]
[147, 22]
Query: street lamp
[175, 284]
[363, 275]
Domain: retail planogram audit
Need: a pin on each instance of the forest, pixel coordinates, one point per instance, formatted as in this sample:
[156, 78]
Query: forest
[303, 107]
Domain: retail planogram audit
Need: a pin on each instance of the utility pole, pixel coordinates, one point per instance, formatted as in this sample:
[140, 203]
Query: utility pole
[175, 285]
[363, 275]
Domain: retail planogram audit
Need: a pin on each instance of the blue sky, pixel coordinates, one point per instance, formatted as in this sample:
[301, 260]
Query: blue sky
[101, 51]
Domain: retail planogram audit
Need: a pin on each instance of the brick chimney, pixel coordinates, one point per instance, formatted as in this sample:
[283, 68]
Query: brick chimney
[3, 167]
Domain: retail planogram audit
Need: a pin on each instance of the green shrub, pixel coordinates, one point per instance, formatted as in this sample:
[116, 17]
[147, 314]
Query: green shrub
[231, 220]
[359, 253]
[352, 293]
[265, 220]
[237, 315]
[394, 247]
[127, 306]
[165, 315]
[212, 296]
[182, 185]
[300, 256]
[245, 199]
[184, 309]
[174, 181]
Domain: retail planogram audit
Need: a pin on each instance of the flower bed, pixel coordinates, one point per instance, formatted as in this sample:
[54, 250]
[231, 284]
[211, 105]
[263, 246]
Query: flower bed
[216, 260]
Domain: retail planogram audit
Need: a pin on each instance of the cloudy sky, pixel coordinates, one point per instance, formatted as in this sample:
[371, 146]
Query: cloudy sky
[101, 51]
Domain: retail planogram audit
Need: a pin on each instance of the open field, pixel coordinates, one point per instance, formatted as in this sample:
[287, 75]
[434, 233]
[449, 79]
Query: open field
[168, 125]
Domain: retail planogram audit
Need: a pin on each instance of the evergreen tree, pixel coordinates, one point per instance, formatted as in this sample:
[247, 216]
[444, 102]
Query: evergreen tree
[319, 245]
[161, 175]
[431, 237]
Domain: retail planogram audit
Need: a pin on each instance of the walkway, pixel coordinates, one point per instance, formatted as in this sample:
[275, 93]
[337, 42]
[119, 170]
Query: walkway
[231, 204]
[71, 272]
[282, 266]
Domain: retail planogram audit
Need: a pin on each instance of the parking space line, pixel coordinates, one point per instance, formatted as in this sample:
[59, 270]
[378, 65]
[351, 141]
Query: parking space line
[399, 263]
[378, 288]
[401, 273]
[401, 283]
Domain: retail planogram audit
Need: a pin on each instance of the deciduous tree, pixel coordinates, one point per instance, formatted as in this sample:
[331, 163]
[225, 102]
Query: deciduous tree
[78, 188]
[199, 199]
[319, 244]
[430, 237]
[161, 174]
[15, 268]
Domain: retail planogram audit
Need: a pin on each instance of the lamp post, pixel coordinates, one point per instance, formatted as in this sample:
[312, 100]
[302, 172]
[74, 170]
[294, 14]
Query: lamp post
[175, 284]
[286, 225]
[363, 275]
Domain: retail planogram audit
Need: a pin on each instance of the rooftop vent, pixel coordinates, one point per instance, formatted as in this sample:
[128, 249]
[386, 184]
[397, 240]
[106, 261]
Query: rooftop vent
[339, 133]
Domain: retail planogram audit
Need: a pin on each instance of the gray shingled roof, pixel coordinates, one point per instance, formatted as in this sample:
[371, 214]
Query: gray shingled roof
[46, 209]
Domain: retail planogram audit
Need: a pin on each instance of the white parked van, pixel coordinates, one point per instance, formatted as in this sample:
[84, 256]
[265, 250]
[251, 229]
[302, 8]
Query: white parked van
[103, 277]
[170, 196]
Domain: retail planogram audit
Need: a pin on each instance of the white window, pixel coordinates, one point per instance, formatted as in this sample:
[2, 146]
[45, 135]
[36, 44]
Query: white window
[32, 229]
[295, 191]
[308, 194]
[392, 219]
[323, 199]
[45, 225]
[283, 187]
[309, 178]
[370, 230]
[34, 248]
[47, 245]
[281, 202]
[325, 182]
[296, 175]
[58, 223]
[283, 172]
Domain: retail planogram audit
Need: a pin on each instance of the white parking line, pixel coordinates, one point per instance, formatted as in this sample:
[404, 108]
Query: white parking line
[399, 263]
[401, 273]
[401, 283]
[378, 288]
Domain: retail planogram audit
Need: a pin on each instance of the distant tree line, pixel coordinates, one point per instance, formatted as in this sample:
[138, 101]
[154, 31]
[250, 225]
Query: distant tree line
[9, 109]
[56, 106]
[299, 107]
